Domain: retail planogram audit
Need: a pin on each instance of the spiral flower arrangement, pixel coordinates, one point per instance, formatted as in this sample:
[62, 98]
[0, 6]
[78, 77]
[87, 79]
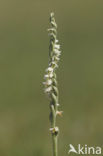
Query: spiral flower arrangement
[51, 88]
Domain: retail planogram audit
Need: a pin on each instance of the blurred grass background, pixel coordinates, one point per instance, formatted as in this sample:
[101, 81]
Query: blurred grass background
[24, 110]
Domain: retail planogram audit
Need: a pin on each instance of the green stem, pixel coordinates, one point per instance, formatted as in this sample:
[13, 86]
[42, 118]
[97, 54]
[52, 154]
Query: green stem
[55, 153]
[54, 135]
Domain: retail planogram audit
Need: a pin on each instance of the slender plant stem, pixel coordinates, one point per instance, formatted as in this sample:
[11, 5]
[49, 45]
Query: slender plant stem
[51, 87]
[54, 136]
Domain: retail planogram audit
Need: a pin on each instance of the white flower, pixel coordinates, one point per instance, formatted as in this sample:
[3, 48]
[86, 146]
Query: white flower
[57, 46]
[48, 90]
[51, 129]
[55, 129]
[54, 63]
[49, 69]
[57, 58]
[48, 82]
[59, 113]
[49, 75]
[56, 41]
[46, 76]
[58, 104]
[58, 52]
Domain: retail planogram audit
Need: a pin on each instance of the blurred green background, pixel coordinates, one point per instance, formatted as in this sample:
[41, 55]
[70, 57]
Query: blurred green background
[24, 109]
